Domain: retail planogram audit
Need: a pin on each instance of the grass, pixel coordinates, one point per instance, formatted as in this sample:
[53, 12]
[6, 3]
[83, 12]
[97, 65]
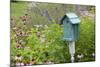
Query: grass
[18, 9]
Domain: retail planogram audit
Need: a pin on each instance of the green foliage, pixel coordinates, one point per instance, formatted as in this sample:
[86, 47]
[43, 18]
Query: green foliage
[54, 48]
[86, 43]
[45, 43]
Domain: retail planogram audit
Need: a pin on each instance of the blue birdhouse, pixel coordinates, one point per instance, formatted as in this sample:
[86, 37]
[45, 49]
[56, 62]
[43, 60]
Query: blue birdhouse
[70, 23]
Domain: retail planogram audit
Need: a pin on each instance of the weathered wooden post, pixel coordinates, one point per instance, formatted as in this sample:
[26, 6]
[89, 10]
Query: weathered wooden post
[70, 23]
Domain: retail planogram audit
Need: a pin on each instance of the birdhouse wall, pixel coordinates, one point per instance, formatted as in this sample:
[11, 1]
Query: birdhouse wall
[76, 31]
[68, 31]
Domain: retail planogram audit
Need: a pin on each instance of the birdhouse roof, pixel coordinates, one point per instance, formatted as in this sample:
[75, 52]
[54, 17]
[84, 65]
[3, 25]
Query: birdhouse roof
[72, 17]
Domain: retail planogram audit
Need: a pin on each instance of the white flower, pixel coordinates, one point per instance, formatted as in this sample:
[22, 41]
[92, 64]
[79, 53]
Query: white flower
[45, 26]
[42, 39]
[22, 64]
[14, 35]
[27, 64]
[80, 56]
[37, 26]
[40, 25]
[93, 54]
[14, 28]
[20, 41]
[18, 64]
[46, 46]
[30, 64]
[50, 62]
[38, 34]
[18, 58]
[27, 48]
